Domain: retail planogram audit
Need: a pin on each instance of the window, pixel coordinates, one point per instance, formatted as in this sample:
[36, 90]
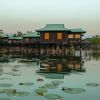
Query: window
[77, 35]
[46, 36]
[59, 35]
[71, 36]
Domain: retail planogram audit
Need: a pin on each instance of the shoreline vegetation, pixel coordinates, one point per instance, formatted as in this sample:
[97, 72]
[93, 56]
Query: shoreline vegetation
[95, 42]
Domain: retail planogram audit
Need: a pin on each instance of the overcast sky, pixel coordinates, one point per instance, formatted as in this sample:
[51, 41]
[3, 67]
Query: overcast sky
[27, 15]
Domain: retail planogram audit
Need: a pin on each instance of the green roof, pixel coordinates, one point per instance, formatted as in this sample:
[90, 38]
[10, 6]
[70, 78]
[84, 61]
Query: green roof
[32, 34]
[15, 38]
[4, 35]
[77, 30]
[53, 27]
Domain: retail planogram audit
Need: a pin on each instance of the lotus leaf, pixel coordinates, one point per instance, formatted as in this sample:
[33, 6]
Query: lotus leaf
[15, 70]
[5, 85]
[92, 84]
[41, 91]
[12, 74]
[51, 85]
[4, 78]
[57, 82]
[73, 90]
[53, 97]
[18, 94]
[8, 91]
[26, 84]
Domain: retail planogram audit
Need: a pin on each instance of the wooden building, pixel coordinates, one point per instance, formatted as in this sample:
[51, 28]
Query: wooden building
[15, 44]
[4, 43]
[55, 39]
[15, 41]
[31, 43]
[4, 39]
[31, 38]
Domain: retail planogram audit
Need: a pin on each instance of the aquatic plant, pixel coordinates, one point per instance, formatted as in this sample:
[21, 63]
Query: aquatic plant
[12, 74]
[8, 91]
[53, 84]
[26, 84]
[6, 84]
[18, 93]
[4, 78]
[73, 90]
[40, 91]
[92, 84]
[15, 70]
[53, 97]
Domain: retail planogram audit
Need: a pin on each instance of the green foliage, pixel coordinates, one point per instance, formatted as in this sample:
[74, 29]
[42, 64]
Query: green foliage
[1, 31]
[94, 40]
[19, 33]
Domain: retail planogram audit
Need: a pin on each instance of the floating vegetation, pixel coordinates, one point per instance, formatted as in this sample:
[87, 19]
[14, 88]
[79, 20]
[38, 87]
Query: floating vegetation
[16, 66]
[5, 85]
[26, 84]
[18, 94]
[57, 82]
[12, 74]
[15, 70]
[73, 90]
[53, 97]
[92, 84]
[40, 91]
[8, 91]
[4, 78]
[4, 99]
[53, 85]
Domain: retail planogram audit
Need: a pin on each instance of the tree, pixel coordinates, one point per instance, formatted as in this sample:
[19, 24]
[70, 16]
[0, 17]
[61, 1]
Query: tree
[1, 31]
[19, 33]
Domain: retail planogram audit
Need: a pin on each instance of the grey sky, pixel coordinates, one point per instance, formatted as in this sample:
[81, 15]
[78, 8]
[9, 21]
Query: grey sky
[27, 15]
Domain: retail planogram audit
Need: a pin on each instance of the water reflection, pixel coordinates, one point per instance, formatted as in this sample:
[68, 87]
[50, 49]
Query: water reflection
[56, 68]
[96, 55]
[31, 80]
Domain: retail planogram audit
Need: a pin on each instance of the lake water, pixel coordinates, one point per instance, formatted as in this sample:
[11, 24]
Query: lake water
[70, 78]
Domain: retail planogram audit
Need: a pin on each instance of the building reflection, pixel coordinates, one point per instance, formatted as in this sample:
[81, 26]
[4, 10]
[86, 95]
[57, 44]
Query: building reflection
[53, 67]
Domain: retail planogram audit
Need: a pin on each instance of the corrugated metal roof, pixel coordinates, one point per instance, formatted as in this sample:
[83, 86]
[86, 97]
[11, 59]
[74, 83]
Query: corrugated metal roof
[53, 27]
[32, 34]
